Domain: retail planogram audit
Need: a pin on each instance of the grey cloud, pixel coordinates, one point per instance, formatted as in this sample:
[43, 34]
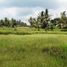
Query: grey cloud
[31, 3]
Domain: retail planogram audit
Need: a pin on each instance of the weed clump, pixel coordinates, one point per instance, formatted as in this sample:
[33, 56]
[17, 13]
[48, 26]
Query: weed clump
[54, 51]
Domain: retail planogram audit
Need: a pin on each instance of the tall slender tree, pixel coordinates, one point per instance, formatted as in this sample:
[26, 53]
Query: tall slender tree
[63, 20]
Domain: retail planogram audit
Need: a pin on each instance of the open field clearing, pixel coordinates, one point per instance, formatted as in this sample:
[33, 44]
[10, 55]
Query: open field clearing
[28, 31]
[33, 33]
[37, 50]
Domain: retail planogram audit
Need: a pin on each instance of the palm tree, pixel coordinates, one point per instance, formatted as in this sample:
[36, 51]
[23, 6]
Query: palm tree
[6, 22]
[63, 20]
[14, 22]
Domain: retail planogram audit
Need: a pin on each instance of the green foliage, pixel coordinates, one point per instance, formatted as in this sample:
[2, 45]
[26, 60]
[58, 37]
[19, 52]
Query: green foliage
[41, 21]
[63, 20]
[28, 31]
[44, 21]
[11, 23]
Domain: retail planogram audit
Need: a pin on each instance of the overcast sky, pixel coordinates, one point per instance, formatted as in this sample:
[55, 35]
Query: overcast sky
[23, 9]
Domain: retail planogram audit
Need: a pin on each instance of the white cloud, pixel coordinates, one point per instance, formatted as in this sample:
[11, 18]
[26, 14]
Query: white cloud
[24, 13]
[2, 1]
[7, 12]
[16, 12]
[62, 1]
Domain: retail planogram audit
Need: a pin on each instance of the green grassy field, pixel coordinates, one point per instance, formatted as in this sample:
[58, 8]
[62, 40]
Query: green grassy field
[36, 50]
[27, 31]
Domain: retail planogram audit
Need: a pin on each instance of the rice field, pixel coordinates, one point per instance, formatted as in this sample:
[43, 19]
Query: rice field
[36, 50]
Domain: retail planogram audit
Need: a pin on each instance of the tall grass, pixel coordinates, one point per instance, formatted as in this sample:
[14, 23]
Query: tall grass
[42, 50]
[27, 30]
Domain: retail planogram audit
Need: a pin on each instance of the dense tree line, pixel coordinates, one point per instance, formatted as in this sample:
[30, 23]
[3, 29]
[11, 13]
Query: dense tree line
[45, 21]
[11, 23]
